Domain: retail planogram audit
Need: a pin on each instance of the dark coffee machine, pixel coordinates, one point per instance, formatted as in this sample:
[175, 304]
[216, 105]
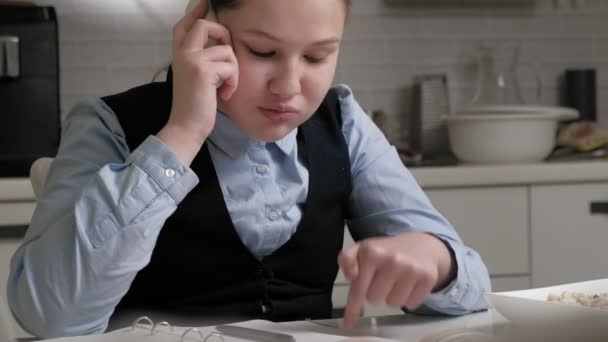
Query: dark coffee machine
[29, 87]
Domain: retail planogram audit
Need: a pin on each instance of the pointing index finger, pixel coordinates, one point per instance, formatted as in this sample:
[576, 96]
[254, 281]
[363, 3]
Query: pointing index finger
[358, 293]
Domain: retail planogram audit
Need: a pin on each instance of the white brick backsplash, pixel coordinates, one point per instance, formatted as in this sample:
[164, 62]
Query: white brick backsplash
[112, 45]
[518, 27]
[374, 7]
[354, 77]
[423, 52]
[589, 25]
[352, 53]
[117, 53]
[559, 50]
[600, 50]
[83, 26]
[163, 51]
[602, 75]
[455, 26]
[364, 98]
[395, 102]
[84, 80]
[124, 78]
[390, 76]
[69, 54]
[602, 106]
[382, 27]
[143, 25]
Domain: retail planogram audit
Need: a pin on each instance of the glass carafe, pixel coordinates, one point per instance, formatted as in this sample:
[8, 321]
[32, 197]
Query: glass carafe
[497, 78]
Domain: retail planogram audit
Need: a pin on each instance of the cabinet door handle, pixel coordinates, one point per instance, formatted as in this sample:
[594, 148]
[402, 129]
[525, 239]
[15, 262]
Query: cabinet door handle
[598, 208]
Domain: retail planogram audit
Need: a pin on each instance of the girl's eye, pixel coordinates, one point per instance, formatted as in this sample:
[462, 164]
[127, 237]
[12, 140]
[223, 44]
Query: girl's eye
[261, 54]
[313, 60]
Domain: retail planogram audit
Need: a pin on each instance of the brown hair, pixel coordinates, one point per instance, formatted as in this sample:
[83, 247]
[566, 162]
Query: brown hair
[218, 5]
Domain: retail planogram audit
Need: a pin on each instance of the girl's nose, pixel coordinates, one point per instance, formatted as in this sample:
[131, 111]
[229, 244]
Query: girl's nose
[286, 81]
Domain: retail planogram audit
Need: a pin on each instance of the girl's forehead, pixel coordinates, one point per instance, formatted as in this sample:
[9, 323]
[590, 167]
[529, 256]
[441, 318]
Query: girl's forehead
[303, 14]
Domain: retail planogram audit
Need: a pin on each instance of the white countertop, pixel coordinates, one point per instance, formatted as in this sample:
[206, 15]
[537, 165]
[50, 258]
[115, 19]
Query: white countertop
[19, 189]
[487, 175]
[16, 189]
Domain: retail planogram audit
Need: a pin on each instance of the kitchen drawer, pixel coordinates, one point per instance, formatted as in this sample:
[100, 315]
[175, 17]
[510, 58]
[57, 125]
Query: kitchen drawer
[491, 220]
[16, 213]
[568, 242]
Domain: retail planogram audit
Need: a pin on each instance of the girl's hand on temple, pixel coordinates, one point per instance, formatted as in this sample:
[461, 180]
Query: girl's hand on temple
[198, 70]
[399, 271]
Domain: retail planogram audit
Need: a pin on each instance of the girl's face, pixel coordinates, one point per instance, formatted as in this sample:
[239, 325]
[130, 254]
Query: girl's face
[287, 52]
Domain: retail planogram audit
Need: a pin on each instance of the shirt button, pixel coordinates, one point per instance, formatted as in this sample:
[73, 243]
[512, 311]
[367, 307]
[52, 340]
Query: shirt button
[273, 216]
[261, 169]
[453, 292]
[170, 173]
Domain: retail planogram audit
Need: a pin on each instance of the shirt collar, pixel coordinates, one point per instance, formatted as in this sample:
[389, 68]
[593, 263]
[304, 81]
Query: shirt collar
[228, 137]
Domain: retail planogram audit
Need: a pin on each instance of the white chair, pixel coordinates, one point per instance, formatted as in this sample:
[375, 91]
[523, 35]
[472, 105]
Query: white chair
[7, 333]
[38, 173]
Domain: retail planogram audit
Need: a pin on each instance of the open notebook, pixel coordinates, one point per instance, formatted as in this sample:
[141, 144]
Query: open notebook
[144, 330]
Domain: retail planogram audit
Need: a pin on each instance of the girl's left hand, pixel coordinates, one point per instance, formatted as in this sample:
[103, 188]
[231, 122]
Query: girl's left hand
[399, 271]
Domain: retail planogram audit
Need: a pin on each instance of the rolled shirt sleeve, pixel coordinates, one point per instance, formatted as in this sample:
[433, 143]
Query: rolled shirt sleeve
[386, 200]
[95, 225]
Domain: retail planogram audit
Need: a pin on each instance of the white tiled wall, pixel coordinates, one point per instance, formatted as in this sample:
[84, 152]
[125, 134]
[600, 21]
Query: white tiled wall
[110, 45]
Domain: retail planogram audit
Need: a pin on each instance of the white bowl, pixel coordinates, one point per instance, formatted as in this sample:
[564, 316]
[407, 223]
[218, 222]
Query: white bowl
[529, 309]
[505, 134]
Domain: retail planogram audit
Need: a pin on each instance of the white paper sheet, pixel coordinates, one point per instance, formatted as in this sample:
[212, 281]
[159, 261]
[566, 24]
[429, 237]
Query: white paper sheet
[163, 334]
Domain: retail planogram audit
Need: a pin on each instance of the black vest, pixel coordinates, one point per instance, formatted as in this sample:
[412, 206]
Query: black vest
[200, 265]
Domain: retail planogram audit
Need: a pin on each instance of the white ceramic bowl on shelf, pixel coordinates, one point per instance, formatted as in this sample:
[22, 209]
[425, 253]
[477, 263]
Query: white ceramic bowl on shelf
[505, 134]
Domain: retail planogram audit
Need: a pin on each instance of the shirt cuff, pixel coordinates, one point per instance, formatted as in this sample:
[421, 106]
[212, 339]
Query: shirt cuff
[159, 162]
[454, 293]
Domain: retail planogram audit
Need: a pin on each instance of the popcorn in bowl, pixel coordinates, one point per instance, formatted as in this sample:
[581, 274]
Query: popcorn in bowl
[578, 298]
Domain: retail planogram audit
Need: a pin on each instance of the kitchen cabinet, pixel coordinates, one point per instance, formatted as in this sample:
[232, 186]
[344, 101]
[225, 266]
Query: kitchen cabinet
[494, 222]
[491, 220]
[531, 224]
[568, 241]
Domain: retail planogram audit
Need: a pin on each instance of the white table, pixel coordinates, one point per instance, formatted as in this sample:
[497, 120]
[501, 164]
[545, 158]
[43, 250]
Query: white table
[484, 326]
[488, 326]
[416, 328]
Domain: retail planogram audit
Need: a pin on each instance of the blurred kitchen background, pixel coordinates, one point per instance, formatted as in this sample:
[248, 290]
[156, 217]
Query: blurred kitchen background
[519, 217]
[111, 45]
